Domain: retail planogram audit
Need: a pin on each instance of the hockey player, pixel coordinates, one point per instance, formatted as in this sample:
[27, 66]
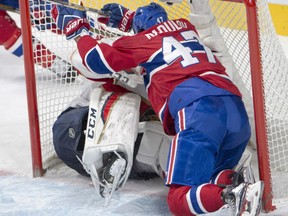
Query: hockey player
[193, 97]
[204, 21]
[11, 39]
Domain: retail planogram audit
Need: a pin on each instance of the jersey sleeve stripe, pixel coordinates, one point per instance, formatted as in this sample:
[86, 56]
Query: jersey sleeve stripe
[96, 62]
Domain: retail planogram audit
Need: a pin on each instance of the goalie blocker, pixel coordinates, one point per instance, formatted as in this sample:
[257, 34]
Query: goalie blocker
[106, 141]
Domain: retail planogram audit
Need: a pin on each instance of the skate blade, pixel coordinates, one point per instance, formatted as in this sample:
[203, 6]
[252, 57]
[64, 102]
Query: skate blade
[253, 199]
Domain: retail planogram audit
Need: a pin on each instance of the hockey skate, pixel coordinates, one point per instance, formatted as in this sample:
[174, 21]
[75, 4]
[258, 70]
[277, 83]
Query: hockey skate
[244, 199]
[112, 175]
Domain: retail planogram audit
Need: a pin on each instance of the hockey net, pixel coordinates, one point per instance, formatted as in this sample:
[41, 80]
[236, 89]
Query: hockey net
[249, 34]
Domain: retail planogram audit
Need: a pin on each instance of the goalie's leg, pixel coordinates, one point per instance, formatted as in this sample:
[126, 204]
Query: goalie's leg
[113, 171]
[112, 129]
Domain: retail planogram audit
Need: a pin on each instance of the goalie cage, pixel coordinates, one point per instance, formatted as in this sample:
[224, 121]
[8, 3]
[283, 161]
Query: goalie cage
[249, 34]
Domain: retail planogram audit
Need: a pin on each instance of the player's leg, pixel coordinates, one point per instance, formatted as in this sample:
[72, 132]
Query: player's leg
[202, 18]
[189, 171]
[191, 161]
[239, 195]
[195, 149]
[11, 39]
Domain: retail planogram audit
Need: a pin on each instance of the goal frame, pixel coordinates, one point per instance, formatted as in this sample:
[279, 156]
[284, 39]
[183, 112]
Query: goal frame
[258, 101]
[33, 117]
[257, 90]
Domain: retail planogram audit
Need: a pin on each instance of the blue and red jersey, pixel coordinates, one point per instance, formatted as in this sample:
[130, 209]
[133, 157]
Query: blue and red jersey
[169, 53]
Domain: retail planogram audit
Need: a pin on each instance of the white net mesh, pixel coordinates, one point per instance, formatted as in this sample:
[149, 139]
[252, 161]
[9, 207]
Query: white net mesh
[55, 91]
[275, 71]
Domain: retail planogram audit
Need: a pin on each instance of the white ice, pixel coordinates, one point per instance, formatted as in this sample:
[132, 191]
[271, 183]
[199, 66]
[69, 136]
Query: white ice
[61, 191]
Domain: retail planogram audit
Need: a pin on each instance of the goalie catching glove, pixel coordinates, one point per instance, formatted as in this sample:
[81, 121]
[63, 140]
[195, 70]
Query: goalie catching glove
[71, 21]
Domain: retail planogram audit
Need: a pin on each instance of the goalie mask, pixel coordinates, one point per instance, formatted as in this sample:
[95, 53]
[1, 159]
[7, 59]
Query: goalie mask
[148, 16]
[69, 137]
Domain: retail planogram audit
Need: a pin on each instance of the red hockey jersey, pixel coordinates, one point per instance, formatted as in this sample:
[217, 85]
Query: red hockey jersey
[169, 53]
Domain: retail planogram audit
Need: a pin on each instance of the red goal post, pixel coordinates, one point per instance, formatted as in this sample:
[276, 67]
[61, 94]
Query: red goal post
[248, 31]
[31, 90]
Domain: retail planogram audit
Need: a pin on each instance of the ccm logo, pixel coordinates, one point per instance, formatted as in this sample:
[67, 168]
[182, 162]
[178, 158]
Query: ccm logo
[91, 123]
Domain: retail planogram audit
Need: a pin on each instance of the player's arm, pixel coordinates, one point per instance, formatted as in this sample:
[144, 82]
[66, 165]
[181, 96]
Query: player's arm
[98, 57]
[10, 36]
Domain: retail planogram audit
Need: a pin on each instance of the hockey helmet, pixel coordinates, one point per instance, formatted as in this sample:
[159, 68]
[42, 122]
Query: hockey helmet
[69, 137]
[148, 16]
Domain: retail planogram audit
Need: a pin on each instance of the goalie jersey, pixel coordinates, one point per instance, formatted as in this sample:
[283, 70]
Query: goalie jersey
[169, 54]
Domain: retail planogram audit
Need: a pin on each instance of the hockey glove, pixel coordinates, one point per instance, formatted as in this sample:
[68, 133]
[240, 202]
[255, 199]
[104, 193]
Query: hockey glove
[62, 15]
[120, 17]
[41, 15]
[76, 27]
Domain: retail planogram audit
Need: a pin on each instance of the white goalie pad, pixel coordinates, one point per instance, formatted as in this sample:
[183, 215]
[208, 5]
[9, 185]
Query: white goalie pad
[154, 147]
[112, 129]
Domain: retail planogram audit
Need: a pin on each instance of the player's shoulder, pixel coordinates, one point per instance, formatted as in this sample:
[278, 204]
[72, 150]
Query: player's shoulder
[132, 41]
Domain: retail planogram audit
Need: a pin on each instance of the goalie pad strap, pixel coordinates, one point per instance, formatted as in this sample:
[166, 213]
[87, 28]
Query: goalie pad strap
[154, 147]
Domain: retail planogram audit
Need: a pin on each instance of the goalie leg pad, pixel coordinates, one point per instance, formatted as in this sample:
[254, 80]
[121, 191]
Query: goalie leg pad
[112, 127]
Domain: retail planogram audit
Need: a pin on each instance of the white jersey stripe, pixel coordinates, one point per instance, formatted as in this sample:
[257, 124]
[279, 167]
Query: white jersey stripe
[216, 74]
[198, 197]
[190, 204]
